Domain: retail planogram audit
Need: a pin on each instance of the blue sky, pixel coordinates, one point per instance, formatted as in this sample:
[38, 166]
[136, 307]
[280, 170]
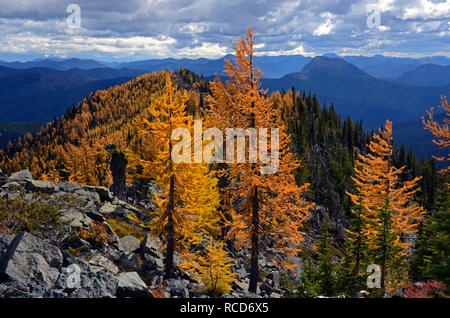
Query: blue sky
[141, 29]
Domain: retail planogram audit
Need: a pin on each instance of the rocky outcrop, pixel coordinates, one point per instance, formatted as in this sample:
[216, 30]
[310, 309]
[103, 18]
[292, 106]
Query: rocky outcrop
[73, 264]
[30, 263]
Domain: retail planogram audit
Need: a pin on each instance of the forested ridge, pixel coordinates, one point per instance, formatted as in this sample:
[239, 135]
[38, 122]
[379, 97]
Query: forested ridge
[345, 198]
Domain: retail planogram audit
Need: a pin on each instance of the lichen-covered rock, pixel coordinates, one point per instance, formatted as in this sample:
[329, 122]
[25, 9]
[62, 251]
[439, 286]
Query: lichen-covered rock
[75, 218]
[101, 261]
[109, 208]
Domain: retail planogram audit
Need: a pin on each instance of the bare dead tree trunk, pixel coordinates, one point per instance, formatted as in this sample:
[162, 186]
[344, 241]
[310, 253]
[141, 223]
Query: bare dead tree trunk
[170, 249]
[118, 168]
[254, 268]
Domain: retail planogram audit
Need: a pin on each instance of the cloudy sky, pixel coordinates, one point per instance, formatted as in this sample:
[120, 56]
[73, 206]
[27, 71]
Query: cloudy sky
[140, 29]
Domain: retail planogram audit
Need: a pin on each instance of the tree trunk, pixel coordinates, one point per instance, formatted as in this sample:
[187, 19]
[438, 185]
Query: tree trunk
[170, 231]
[254, 268]
[383, 265]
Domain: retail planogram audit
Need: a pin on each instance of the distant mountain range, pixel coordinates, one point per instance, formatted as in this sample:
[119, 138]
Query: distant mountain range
[359, 95]
[371, 89]
[378, 66]
[390, 67]
[272, 66]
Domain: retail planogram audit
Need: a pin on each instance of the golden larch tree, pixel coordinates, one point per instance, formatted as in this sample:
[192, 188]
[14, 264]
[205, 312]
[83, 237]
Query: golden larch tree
[260, 205]
[189, 195]
[387, 209]
[440, 131]
[211, 265]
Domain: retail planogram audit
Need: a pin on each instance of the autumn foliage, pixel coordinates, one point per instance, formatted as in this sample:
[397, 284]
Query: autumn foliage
[71, 147]
[440, 131]
[271, 204]
[386, 207]
[212, 266]
[189, 197]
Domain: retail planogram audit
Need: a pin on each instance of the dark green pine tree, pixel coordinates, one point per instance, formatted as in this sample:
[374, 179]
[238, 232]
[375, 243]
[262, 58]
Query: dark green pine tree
[440, 240]
[423, 250]
[351, 272]
[326, 268]
[308, 285]
[347, 281]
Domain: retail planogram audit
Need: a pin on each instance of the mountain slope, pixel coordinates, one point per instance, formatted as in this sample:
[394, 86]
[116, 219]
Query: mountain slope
[4, 71]
[357, 94]
[427, 75]
[72, 146]
[40, 94]
[413, 136]
[104, 73]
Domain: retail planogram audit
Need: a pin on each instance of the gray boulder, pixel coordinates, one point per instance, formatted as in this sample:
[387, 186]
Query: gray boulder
[87, 196]
[179, 292]
[21, 176]
[101, 261]
[103, 192]
[41, 186]
[69, 187]
[91, 211]
[150, 245]
[25, 243]
[129, 262]
[109, 208]
[75, 218]
[95, 282]
[129, 244]
[12, 186]
[131, 285]
[30, 262]
[80, 279]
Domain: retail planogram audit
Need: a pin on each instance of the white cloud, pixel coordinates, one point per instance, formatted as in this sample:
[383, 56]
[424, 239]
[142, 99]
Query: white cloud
[326, 27]
[420, 27]
[194, 28]
[176, 28]
[206, 49]
[298, 50]
[427, 9]
[24, 42]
